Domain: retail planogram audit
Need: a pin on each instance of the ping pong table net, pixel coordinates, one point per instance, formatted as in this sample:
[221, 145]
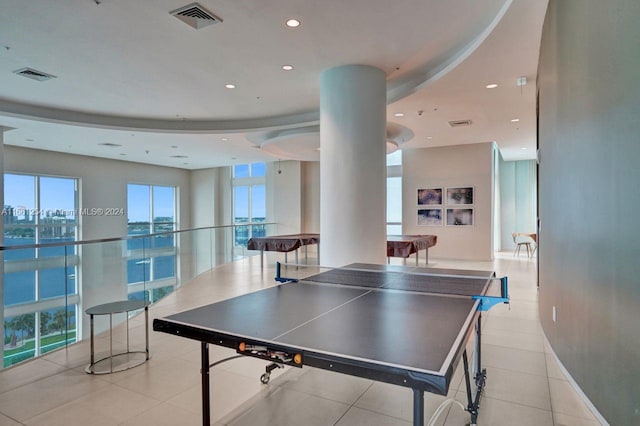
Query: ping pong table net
[457, 284]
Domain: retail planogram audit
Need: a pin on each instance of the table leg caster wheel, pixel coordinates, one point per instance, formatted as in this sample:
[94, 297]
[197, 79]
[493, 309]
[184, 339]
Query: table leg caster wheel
[265, 378]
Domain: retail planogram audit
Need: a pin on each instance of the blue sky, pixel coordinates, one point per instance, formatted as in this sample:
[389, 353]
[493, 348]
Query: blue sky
[55, 193]
[59, 194]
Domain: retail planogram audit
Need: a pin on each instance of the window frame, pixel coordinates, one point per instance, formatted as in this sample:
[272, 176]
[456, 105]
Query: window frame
[250, 182]
[148, 252]
[67, 301]
[394, 170]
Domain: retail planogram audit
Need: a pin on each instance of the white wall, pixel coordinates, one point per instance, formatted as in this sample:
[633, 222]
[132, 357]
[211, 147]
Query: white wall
[284, 196]
[311, 197]
[211, 206]
[103, 184]
[204, 203]
[455, 166]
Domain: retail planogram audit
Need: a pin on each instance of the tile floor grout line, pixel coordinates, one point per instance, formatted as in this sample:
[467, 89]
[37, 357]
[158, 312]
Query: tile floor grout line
[365, 409]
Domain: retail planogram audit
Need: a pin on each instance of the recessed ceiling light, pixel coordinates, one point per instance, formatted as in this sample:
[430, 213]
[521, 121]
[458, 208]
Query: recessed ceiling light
[293, 23]
[230, 86]
[524, 149]
[429, 137]
[515, 120]
[492, 86]
[398, 114]
[224, 139]
[287, 67]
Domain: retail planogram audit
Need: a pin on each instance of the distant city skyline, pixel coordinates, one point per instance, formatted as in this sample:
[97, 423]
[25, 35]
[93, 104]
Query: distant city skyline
[58, 197]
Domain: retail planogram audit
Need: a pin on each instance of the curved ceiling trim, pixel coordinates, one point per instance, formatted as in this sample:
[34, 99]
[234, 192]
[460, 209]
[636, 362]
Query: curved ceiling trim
[397, 89]
[426, 75]
[83, 119]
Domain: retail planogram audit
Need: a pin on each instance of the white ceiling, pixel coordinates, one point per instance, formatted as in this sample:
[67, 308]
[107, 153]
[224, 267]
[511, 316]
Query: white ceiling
[129, 73]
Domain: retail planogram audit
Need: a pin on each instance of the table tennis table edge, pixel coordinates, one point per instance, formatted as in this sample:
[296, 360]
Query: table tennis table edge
[430, 381]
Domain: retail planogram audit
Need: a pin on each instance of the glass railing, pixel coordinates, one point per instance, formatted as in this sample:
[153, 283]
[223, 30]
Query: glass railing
[47, 287]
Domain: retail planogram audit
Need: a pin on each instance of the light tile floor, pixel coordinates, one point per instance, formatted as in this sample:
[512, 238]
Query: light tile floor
[525, 385]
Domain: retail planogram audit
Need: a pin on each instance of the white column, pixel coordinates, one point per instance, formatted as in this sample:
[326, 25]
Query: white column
[352, 165]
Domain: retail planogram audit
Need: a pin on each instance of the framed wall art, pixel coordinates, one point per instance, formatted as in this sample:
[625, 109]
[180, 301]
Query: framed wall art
[430, 217]
[459, 195]
[429, 196]
[459, 217]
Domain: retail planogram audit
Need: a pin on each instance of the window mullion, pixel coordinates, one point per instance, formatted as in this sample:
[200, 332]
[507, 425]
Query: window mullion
[151, 230]
[37, 233]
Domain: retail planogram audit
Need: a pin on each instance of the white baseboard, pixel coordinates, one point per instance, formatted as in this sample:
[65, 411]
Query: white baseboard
[575, 386]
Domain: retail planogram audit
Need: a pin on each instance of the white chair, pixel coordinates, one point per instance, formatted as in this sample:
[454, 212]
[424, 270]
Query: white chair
[527, 240]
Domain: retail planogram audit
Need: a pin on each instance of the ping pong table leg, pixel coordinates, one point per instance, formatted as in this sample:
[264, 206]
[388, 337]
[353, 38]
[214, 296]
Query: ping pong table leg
[479, 378]
[478, 347]
[206, 403]
[418, 407]
[470, 407]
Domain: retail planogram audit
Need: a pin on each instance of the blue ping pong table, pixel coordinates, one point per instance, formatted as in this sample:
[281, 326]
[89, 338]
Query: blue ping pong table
[400, 325]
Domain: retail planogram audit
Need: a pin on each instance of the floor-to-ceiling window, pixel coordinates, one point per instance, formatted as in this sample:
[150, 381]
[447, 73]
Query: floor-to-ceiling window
[249, 201]
[40, 286]
[151, 264]
[394, 193]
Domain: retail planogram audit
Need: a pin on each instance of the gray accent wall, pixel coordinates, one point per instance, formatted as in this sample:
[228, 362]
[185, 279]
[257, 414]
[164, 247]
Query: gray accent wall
[589, 140]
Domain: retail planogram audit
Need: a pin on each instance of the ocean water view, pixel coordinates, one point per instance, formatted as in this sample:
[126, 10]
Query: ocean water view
[20, 287]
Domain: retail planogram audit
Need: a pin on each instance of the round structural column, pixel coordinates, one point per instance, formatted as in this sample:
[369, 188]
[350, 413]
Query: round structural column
[353, 185]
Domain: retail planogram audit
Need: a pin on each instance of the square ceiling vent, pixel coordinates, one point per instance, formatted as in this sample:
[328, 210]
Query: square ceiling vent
[196, 16]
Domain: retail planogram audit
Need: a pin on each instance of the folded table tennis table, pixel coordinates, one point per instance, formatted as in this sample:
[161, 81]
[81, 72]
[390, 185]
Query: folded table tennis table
[400, 325]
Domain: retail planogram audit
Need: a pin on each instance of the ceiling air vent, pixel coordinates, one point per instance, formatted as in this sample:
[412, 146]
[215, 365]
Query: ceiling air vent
[460, 123]
[34, 74]
[195, 16]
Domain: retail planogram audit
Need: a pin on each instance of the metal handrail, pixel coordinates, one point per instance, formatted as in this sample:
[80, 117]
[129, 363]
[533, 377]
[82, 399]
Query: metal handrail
[129, 237]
